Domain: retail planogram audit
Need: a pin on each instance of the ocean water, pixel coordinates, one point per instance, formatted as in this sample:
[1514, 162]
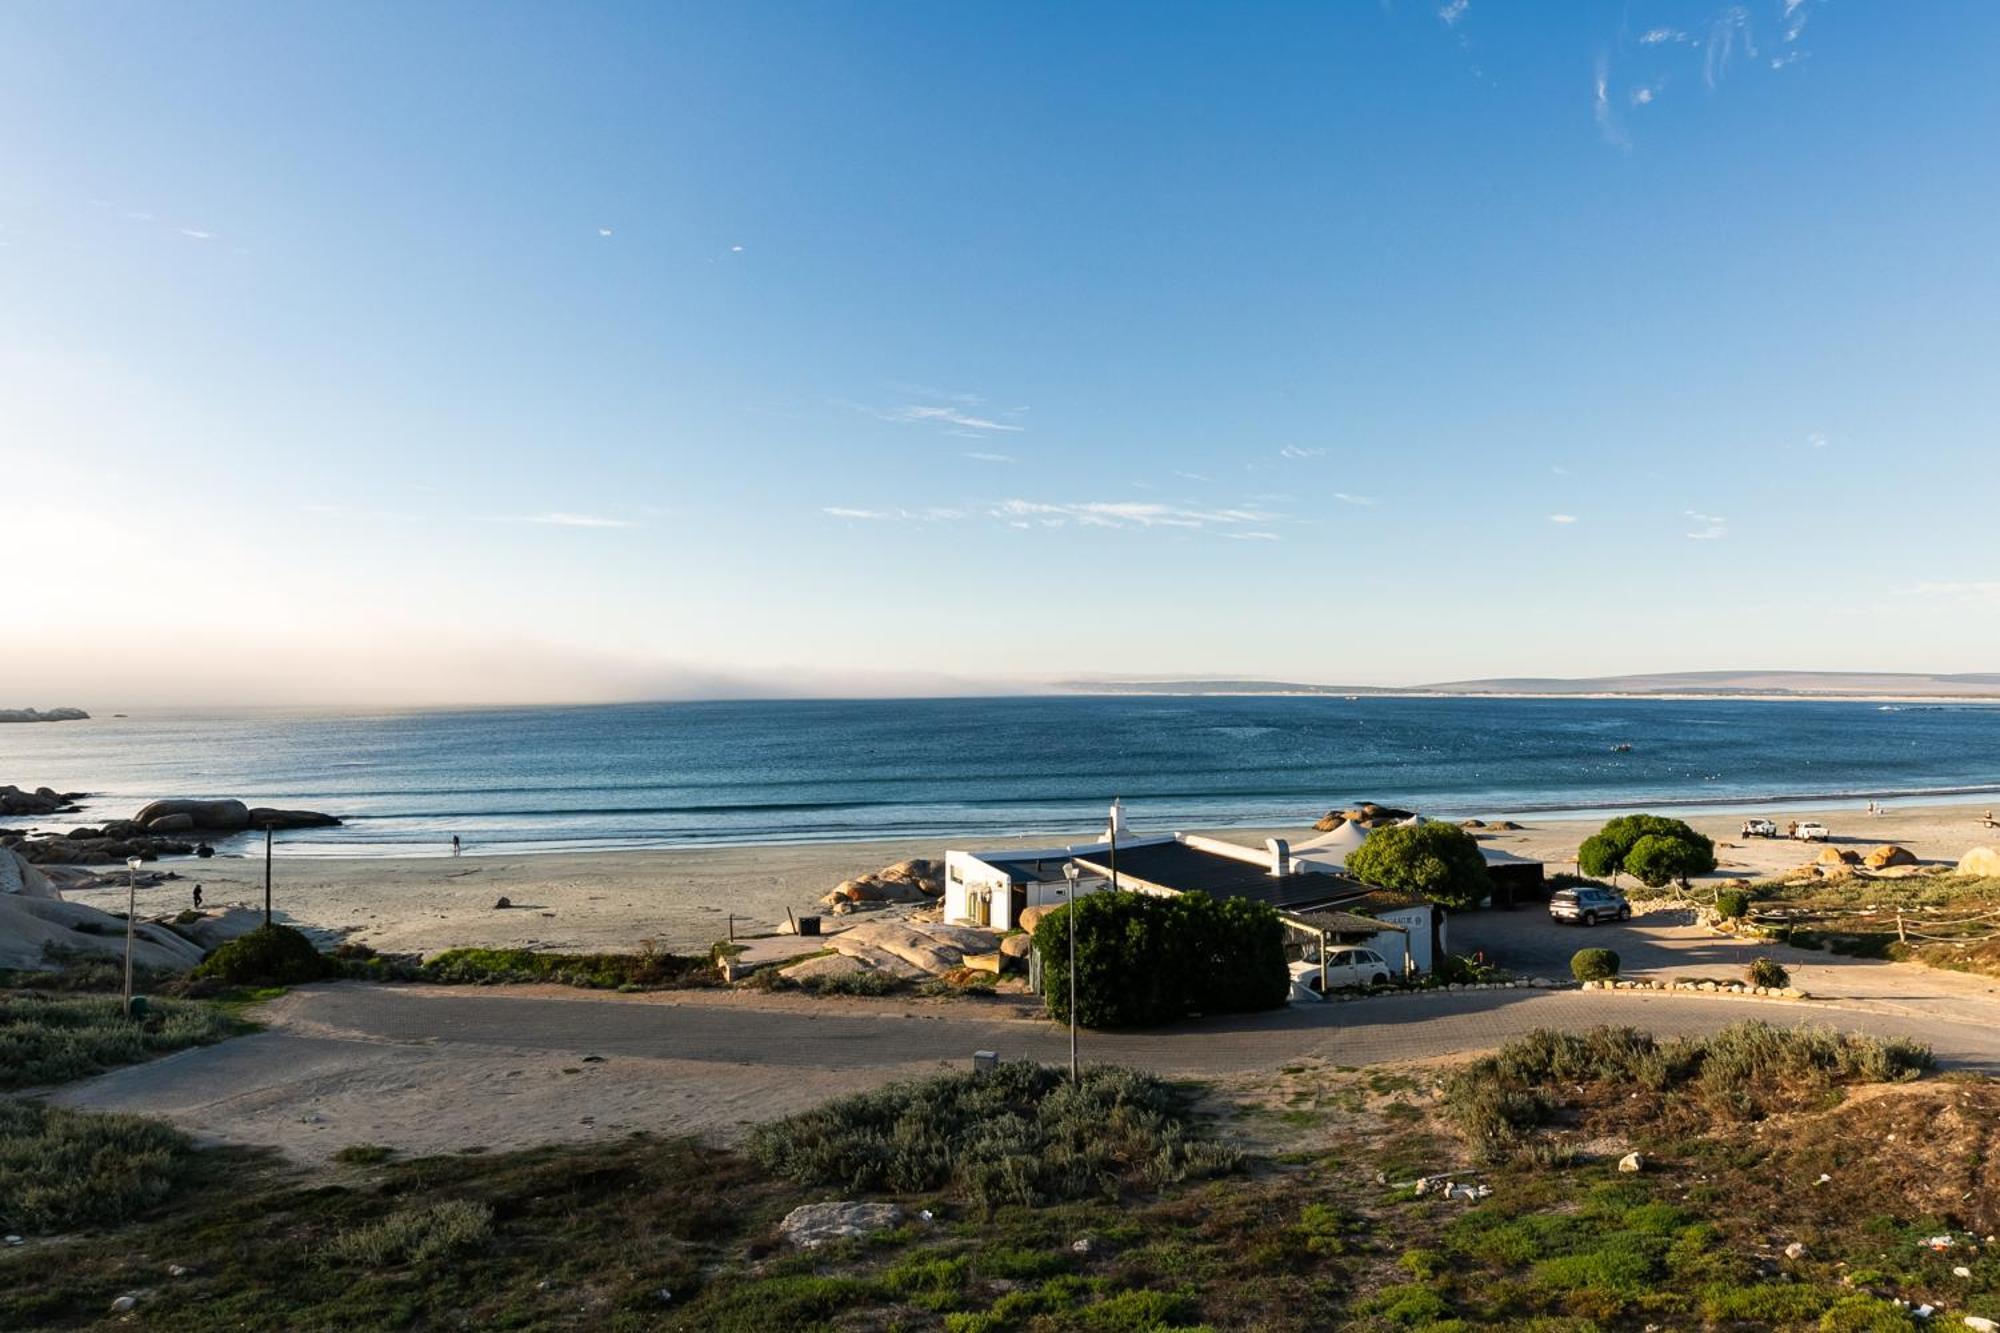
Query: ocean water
[656, 775]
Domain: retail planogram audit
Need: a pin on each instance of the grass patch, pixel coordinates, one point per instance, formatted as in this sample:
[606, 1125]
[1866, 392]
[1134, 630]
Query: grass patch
[597, 971]
[1022, 1134]
[46, 1039]
[418, 1235]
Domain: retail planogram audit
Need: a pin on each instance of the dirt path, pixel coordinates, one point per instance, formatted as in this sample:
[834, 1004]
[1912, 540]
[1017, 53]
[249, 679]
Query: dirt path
[437, 1069]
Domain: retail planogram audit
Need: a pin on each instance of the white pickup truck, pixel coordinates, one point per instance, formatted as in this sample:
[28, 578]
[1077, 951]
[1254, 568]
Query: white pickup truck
[1811, 831]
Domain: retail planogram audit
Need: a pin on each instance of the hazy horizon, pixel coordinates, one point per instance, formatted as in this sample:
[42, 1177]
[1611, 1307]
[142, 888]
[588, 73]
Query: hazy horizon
[371, 355]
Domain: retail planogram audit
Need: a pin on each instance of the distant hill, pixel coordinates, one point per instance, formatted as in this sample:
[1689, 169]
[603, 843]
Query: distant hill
[1780, 684]
[50, 715]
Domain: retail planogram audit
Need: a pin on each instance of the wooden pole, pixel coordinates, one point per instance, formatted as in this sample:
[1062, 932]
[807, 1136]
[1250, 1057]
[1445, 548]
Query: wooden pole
[131, 915]
[267, 874]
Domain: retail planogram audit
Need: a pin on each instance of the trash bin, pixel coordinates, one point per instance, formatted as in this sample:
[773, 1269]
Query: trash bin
[808, 925]
[139, 1007]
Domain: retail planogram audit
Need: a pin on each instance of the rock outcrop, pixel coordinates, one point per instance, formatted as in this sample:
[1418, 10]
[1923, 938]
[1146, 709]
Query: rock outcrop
[1887, 855]
[40, 801]
[814, 1224]
[1368, 815]
[1981, 861]
[43, 715]
[913, 881]
[209, 816]
[37, 928]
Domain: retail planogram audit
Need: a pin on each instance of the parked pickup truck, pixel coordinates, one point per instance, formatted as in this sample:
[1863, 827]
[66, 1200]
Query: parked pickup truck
[1759, 828]
[1811, 831]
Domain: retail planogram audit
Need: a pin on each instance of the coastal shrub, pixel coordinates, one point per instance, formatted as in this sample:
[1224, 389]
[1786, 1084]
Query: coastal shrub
[1020, 1134]
[415, 1235]
[1594, 964]
[1144, 959]
[1746, 1071]
[1732, 904]
[46, 1040]
[598, 971]
[1653, 849]
[1441, 862]
[1768, 972]
[61, 1168]
[271, 955]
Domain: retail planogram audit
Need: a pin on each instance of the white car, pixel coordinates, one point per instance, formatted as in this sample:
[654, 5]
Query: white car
[1344, 967]
[1759, 828]
[1812, 831]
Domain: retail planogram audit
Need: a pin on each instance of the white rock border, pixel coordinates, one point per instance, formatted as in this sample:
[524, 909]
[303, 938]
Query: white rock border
[1739, 989]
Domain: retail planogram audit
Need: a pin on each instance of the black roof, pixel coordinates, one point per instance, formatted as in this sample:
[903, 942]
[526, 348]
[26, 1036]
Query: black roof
[1184, 869]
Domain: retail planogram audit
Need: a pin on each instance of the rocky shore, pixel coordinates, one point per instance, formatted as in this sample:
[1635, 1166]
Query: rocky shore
[161, 828]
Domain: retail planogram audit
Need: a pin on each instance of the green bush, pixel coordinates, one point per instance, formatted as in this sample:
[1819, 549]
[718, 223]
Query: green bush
[1594, 964]
[1144, 959]
[270, 955]
[45, 1040]
[1732, 904]
[1441, 862]
[1021, 1134]
[1768, 972]
[62, 1168]
[1653, 849]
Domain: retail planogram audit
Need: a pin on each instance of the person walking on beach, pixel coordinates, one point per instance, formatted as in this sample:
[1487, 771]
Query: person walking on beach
[197, 897]
[454, 844]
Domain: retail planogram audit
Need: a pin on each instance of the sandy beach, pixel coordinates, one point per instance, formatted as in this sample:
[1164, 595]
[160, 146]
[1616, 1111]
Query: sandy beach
[683, 899]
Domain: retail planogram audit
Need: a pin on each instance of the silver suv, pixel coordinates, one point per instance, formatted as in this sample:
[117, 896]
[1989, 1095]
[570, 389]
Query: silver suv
[1589, 905]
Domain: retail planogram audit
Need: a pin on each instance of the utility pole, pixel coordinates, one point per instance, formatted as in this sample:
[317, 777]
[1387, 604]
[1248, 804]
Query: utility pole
[131, 914]
[267, 874]
[1072, 872]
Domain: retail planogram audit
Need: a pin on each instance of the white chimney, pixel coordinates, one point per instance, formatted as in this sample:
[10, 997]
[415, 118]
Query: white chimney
[1281, 856]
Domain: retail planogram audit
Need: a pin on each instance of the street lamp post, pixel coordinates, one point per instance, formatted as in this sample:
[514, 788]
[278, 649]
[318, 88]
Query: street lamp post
[131, 913]
[1072, 872]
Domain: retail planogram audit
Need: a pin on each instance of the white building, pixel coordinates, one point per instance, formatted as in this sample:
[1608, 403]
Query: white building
[993, 888]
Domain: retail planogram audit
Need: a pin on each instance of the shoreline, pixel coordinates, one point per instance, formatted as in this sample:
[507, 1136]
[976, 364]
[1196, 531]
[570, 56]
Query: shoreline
[683, 899]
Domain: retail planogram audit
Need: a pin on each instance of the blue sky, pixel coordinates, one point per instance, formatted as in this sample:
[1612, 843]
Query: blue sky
[376, 352]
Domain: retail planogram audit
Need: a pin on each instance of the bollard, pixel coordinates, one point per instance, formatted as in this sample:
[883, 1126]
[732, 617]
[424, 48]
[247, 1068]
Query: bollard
[985, 1062]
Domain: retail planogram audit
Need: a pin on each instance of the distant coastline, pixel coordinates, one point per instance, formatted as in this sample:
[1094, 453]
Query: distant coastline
[43, 715]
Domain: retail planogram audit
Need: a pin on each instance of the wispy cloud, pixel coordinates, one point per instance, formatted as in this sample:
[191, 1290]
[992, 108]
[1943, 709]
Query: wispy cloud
[1253, 536]
[197, 234]
[1189, 476]
[949, 412]
[1714, 527]
[1453, 10]
[1816, 440]
[1562, 518]
[1558, 469]
[934, 514]
[1977, 590]
[1125, 514]
[604, 231]
[1608, 127]
[1347, 499]
[979, 457]
[562, 518]
[1645, 95]
[1300, 451]
[1660, 36]
[1729, 33]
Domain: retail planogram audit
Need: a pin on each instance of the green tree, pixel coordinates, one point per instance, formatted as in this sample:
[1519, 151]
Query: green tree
[1144, 959]
[1436, 861]
[1653, 849]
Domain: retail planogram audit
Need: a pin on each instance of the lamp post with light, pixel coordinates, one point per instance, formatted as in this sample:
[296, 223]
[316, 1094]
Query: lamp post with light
[1072, 872]
[131, 914]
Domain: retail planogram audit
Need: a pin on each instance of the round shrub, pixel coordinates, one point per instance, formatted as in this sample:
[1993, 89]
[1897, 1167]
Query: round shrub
[271, 955]
[1441, 862]
[1769, 972]
[1732, 904]
[1594, 964]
